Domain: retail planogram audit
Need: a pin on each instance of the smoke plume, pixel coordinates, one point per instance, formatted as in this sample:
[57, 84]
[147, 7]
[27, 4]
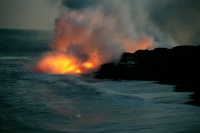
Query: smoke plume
[91, 32]
[168, 22]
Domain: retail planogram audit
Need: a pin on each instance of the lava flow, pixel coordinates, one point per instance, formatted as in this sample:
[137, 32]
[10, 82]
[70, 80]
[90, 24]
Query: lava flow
[58, 63]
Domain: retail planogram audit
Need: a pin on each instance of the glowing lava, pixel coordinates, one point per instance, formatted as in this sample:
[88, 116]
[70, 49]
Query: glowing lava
[58, 63]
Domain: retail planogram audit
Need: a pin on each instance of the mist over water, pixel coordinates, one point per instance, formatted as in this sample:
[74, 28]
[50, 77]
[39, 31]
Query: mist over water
[34, 102]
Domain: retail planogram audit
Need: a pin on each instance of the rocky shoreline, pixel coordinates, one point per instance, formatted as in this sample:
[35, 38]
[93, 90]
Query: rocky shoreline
[179, 66]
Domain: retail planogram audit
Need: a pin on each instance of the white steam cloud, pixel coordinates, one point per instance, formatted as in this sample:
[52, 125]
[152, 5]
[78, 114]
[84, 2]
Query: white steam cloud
[91, 32]
[134, 17]
[105, 29]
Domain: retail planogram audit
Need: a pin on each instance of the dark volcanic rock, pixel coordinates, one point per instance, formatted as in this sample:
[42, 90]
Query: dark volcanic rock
[179, 66]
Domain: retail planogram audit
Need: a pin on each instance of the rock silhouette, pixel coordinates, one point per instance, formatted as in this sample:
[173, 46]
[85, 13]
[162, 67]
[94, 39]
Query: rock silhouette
[179, 66]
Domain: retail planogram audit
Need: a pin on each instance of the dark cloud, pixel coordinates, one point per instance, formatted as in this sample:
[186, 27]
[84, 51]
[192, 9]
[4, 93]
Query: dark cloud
[79, 4]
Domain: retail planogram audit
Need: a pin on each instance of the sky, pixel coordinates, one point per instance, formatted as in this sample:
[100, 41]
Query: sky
[28, 14]
[177, 19]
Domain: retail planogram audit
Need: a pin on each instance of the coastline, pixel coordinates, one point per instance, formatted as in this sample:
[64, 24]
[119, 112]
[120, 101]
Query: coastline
[179, 66]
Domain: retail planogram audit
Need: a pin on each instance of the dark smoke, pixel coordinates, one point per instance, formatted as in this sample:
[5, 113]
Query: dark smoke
[79, 4]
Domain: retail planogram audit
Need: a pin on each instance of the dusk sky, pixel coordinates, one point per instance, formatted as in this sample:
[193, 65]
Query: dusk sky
[28, 14]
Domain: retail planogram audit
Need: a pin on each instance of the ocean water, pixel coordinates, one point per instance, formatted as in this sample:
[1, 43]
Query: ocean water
[42, 103]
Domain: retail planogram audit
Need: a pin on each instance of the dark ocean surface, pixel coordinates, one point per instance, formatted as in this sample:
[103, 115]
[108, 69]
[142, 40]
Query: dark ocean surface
[42, 103]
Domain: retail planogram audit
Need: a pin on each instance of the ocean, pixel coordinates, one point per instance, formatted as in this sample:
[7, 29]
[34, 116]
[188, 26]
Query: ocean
[43, 103]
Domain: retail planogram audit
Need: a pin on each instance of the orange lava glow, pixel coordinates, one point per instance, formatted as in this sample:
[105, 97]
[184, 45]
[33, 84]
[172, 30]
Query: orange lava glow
[87, 65]
[57, 63]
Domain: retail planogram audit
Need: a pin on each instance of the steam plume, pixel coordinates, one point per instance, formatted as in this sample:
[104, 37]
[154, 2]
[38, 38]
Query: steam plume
[168, 22]
[91, 32]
